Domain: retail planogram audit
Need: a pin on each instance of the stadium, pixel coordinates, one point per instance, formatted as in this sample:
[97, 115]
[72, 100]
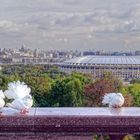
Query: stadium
[123, 67]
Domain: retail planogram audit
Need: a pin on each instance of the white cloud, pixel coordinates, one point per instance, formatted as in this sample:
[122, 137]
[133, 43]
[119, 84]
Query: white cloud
[6, 25]
[69, 21]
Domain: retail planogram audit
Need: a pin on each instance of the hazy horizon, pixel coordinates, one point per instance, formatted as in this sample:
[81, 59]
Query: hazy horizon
[70, 24]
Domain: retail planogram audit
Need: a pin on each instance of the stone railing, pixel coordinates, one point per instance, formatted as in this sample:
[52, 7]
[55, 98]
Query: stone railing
[69, 123]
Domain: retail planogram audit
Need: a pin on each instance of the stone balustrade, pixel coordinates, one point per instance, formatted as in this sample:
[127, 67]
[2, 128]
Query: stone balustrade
[69, 123]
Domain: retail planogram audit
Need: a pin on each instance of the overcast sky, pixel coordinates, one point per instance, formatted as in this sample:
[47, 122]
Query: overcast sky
[70, 24]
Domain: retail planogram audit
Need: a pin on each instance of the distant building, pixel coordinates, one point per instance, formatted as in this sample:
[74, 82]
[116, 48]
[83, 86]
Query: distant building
[137, 52]
[123, 67]
[88, 53]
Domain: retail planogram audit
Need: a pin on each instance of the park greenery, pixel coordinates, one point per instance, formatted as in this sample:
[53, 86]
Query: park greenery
[52, 88]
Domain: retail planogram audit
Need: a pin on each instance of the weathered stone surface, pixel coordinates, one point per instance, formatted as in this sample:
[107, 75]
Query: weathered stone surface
[12, 121]
[69, 123]
[88, 120]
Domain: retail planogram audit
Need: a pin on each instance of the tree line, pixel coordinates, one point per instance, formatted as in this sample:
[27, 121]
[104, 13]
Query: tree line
[52, 88]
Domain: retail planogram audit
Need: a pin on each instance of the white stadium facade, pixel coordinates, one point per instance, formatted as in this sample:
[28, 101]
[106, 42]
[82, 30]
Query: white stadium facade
[123, 67]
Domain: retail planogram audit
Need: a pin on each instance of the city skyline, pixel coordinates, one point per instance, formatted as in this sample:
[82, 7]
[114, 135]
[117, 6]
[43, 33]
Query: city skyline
[70, 24]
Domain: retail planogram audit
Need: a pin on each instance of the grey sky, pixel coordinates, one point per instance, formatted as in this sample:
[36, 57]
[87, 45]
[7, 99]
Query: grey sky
[70, 24]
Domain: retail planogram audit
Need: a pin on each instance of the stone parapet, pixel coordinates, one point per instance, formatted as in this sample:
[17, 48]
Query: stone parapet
[69, 123]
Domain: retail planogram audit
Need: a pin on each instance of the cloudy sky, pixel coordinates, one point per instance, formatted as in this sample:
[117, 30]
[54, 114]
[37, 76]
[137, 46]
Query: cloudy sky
[70, 24]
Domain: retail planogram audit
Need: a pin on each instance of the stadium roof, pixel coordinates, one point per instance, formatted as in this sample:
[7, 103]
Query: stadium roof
[132, 60]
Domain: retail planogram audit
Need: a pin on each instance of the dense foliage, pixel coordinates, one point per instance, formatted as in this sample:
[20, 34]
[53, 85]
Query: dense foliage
[52, 88]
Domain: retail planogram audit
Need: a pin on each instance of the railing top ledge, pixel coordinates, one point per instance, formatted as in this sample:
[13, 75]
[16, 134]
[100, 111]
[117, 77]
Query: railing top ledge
[76, 111]
[89, 112]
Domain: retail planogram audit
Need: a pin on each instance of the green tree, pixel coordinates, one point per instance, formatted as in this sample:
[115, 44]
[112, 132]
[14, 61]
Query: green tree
[134, 90]
[84, 78]
[133, 81]
[40, 87]
[67, 92]
[4, 80]
[54, 73]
